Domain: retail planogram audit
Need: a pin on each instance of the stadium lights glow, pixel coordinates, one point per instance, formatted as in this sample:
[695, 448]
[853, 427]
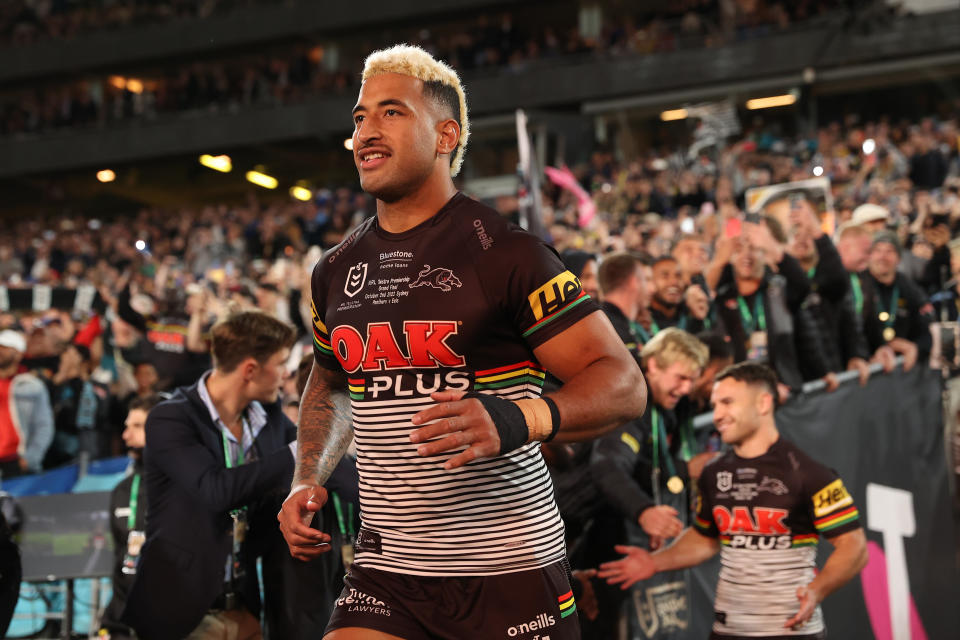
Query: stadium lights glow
[772, 101]
[262, 180]
[140, 245]
[348, 144]
[134, 86]
[673, 114]
[118, 81]
[869, 146]
[301, 193]
[818, 171]
[221, 163]
[106, 175]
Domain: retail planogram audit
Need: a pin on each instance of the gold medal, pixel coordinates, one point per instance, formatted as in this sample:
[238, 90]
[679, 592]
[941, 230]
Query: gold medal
[884, 316]
[889, 334]
[346, 553]
[675, 484]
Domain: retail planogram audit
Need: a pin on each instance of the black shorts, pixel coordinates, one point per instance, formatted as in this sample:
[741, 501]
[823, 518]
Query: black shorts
[526, 605]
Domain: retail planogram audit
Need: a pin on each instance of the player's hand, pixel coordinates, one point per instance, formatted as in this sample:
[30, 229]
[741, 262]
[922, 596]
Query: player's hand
[860, 365]
[697, 301]
[305, 542]
[634, 566]
[908, 350]
[587, 603]
[460, 422]
[809, 599]
[661, 521]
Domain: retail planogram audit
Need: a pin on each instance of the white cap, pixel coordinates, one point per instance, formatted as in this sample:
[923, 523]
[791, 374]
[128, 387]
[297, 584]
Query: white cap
[869, 213]
[13, 340]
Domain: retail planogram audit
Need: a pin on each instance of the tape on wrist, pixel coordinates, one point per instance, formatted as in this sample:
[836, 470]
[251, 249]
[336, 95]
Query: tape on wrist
[521, 421]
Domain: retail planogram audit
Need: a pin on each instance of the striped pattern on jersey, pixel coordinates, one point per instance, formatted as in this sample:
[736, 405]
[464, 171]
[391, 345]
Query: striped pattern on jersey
[546, 320]
[491, 516]
[834, 520]
[321, 337]
[757, 592]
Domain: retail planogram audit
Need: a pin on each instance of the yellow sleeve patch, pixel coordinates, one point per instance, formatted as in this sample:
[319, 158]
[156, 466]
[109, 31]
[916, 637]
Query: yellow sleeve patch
[832, 497]
[630, 441]
[553, 294]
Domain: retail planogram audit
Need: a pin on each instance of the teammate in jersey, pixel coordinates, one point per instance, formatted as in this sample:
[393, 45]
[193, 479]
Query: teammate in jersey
[436, 297]
[764, 505]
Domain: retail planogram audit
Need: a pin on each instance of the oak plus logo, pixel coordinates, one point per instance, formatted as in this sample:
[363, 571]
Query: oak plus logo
[424, 346]
[436, 278]
[356, 277]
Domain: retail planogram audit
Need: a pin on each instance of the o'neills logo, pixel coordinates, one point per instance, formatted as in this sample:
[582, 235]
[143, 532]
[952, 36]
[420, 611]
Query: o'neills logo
[426, 346]
[485, 241]
[542, 621]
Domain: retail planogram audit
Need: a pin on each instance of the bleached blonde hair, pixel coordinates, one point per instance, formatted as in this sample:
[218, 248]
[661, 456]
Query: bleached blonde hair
[672, 345]
[410, 60]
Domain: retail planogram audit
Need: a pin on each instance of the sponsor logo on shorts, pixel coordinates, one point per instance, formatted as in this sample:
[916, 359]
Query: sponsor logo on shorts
[360, 602]
[542, 621]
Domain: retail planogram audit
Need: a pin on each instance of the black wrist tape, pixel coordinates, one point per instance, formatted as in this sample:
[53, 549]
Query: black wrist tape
[554, 416]
[507, 418]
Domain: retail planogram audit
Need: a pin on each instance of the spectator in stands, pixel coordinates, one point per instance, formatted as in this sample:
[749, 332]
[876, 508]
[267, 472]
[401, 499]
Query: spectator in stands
[217, 449]
[761, 310]
[720, 357]
[584, 266]
[668, 306]
[128, 517]
[902, 309]
[624, 292]
[26, 420]
[81, 409]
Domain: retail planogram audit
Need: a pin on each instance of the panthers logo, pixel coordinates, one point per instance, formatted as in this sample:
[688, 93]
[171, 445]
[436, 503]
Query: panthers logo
[438, 278]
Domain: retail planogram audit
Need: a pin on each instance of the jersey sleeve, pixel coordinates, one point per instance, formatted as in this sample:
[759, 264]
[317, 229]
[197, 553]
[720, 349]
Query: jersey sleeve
[703, 520]
[543, 298]
[322, 353]
[831, 506]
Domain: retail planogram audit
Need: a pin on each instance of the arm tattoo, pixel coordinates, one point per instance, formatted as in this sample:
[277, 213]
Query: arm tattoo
[325, 426]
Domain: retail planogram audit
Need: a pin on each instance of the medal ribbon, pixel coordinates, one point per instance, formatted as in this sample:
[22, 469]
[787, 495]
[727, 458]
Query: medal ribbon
[857, 293]
[892, 313]
[345, 529]
[749, 325]
[660, 443]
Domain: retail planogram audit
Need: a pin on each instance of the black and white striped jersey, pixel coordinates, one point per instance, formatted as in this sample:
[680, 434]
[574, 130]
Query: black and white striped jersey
[458, 302]
[769, 513]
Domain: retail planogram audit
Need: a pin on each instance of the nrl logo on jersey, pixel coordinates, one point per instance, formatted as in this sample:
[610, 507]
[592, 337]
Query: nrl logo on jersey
[356, 277]
[724, 480]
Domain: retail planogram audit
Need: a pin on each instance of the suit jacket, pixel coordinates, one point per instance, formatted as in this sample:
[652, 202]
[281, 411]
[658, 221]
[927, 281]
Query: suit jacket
[190, 494]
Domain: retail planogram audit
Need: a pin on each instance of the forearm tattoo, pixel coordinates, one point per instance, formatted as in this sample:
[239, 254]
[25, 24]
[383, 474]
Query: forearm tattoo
[325, 427]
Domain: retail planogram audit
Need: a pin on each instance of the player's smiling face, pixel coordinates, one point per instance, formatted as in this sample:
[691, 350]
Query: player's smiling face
[395, 136]
[735, 413]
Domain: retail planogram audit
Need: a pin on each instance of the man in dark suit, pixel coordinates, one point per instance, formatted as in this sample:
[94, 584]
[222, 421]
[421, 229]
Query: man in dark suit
[213, 452]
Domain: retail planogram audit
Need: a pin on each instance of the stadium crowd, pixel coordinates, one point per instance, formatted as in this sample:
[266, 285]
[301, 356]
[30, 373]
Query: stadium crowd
[165, 276]
[292, 73]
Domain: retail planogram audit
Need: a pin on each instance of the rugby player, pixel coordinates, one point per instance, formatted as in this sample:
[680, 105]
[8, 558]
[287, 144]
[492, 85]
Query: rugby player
[434, 323]
[764, 505]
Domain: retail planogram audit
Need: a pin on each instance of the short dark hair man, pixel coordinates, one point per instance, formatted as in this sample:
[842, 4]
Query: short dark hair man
[767, 538]
[128, 515]
[213, 450]
[434, 297]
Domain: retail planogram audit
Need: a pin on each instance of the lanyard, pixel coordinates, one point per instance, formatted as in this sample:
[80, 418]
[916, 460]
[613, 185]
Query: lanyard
[226, 451]
[892, 313]
[640, 331]
[134, 499]
[857, 293]
[346, 530]
[660, 443]
[748, 320]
